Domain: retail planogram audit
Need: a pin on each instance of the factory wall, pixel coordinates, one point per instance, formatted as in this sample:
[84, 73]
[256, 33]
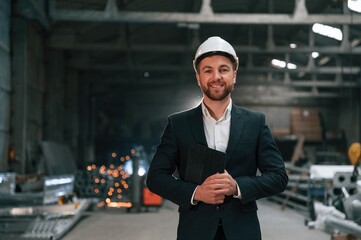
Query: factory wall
[5, 84]
[61, 108]
[28, 92]
[44, 102]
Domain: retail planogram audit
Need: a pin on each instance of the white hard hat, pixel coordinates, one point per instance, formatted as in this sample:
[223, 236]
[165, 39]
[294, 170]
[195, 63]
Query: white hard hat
[215, 44]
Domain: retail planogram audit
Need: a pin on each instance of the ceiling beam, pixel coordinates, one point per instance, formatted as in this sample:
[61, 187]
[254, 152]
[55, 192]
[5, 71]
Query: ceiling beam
[228, 18]
[176, 68]
[206, 16]
[55, 43]
[319, 70]
[267, 92]
[300, 83]
[157, 82]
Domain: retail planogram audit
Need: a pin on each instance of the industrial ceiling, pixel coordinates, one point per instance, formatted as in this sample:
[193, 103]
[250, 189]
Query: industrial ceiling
[131, 60]
[132, 46]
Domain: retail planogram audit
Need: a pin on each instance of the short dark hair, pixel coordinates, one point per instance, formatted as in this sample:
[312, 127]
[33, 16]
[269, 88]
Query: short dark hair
[208, 54]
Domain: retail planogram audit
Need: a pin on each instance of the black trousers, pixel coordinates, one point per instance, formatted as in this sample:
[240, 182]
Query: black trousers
[220, 233]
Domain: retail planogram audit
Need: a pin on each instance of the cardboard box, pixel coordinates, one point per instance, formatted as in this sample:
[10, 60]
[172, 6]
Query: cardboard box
[306, 122]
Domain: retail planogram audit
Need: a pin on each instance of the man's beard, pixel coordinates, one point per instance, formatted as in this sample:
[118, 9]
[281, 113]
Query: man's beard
[219, 94]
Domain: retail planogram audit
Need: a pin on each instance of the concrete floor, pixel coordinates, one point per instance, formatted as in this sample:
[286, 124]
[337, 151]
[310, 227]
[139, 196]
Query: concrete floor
[276, 224]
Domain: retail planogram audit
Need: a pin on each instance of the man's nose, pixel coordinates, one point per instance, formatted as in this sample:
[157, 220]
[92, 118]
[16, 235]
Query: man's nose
[217, 75]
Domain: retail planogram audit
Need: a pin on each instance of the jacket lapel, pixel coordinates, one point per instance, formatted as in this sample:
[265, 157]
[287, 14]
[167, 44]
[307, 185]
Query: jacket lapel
[237, 125]
[195, 120]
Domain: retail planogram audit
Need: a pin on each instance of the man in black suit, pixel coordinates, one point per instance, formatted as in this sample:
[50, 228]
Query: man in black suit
[223, 206]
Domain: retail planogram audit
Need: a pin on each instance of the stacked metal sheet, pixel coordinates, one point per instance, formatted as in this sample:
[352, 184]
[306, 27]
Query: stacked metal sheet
[40, 223]
[39, 215]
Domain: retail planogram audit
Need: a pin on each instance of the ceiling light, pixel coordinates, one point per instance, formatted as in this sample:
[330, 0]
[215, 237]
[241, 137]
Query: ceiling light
[278, 63]
[354, 5]
[293, 45]
[315, 54]
[327, 31]
[291, 66]
[282, 64]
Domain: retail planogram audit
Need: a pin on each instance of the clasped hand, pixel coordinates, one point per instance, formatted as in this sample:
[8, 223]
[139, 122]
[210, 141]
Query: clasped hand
[215, 188]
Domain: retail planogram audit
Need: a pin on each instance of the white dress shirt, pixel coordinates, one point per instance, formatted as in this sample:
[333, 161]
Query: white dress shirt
[217, 133]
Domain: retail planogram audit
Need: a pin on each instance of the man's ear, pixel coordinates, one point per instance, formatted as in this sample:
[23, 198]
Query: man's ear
[234, 77]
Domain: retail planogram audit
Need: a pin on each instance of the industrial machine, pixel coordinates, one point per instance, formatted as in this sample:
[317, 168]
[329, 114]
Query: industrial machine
[340, 215]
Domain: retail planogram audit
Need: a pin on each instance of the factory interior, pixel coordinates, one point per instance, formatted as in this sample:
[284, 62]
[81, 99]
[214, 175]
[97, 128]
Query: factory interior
[86, 87]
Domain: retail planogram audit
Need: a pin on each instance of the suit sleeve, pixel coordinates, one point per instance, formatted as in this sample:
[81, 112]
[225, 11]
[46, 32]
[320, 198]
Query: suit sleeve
[273, 178]
[160, 179]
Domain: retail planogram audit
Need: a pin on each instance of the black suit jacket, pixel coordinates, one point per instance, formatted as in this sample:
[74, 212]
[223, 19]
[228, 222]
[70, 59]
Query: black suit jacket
[250, 147]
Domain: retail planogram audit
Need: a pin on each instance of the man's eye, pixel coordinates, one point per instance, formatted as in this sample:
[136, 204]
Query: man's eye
[207, 71]
[224, 70]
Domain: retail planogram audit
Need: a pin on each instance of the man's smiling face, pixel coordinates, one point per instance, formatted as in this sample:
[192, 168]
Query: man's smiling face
[216, 77]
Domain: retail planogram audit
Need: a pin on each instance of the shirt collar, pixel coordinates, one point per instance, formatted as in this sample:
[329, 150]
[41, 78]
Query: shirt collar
[226, 114]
